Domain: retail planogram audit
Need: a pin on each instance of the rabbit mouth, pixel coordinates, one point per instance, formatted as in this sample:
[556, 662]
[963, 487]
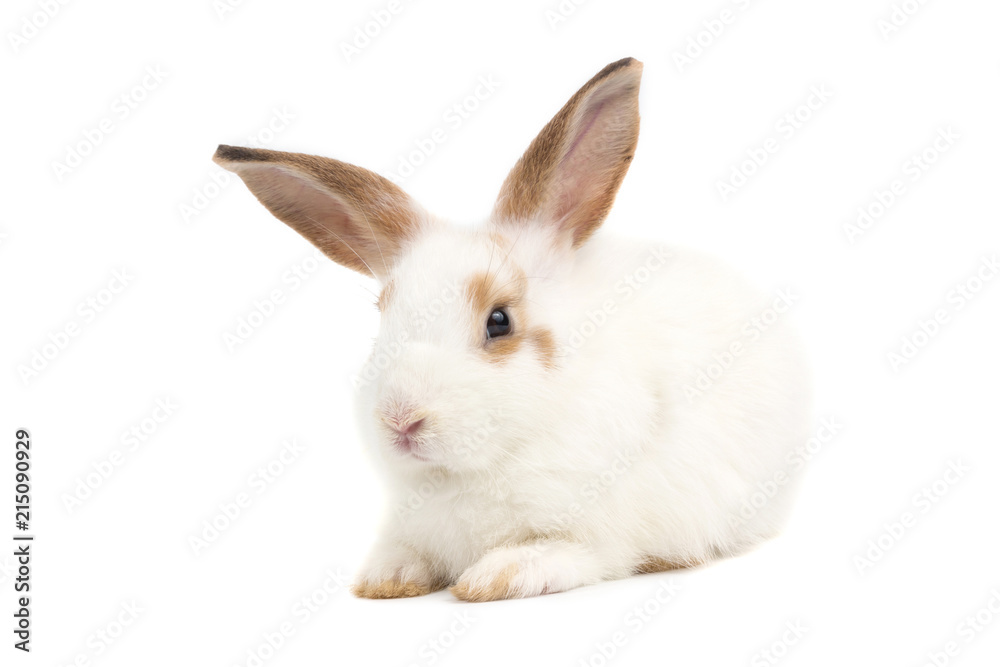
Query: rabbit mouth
[406, 429]
[407, 444]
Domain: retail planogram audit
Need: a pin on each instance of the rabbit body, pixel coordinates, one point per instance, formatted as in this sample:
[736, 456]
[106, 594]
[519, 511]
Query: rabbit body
[612, 460]
[552, 407]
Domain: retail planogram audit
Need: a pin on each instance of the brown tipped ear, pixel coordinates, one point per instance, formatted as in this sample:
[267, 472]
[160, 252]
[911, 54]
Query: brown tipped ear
[570, 174]
[354, 216]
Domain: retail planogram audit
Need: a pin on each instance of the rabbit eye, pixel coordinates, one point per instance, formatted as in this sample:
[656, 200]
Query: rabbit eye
[498, 324]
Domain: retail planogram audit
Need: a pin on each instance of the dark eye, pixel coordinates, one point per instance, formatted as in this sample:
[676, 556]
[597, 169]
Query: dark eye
[498, 324]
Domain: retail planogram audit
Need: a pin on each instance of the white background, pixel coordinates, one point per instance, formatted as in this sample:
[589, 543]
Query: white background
[193, 277]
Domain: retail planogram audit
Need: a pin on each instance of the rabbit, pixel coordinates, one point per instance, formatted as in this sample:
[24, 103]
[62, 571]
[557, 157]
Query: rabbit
[552, 408]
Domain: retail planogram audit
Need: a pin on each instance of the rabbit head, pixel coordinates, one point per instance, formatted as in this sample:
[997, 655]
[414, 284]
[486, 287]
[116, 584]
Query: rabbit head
[470, 331]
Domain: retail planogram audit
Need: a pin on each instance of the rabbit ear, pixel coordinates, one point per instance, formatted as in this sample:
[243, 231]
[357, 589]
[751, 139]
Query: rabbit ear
[354, 216]
[570, 174]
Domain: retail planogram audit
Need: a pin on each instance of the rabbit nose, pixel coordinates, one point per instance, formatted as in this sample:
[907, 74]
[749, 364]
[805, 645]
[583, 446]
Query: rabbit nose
[404, 428]
[403, 419]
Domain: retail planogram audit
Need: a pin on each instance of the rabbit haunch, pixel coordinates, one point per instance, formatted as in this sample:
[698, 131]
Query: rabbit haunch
[543, 462]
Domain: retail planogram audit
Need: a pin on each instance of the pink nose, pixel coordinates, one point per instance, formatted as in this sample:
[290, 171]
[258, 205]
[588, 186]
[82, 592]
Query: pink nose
[408, 428]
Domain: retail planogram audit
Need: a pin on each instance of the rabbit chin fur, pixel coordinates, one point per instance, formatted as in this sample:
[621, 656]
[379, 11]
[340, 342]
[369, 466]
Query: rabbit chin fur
[555, 466]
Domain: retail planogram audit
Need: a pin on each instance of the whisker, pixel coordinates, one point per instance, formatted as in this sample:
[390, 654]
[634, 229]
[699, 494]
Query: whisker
[338, 237]
[507, 256]
[493, 249]
[361, 210]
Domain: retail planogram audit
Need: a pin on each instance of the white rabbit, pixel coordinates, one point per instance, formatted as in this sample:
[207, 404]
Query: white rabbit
[552, 410]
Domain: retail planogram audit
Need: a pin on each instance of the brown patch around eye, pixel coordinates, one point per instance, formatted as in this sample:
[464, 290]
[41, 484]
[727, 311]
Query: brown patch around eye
[489, 291]
[498, 349]
[384, 296]
[478, 292]
[545, 343]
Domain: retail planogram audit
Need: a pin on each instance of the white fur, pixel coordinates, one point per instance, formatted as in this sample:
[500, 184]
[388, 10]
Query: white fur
[529, 474]
[531, 493]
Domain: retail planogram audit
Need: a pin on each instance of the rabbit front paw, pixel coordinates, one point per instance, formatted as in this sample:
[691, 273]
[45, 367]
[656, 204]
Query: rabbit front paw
[397, 574]
[526, 571]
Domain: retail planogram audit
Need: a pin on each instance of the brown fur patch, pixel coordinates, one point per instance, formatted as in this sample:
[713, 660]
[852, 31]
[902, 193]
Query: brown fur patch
[498, 349]
[534, 184]
[496, 589]
[488, 291]
[392, 588]
[477, 291]
[545, 343]
[656, 564]
[354, 216]
[384, 296]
